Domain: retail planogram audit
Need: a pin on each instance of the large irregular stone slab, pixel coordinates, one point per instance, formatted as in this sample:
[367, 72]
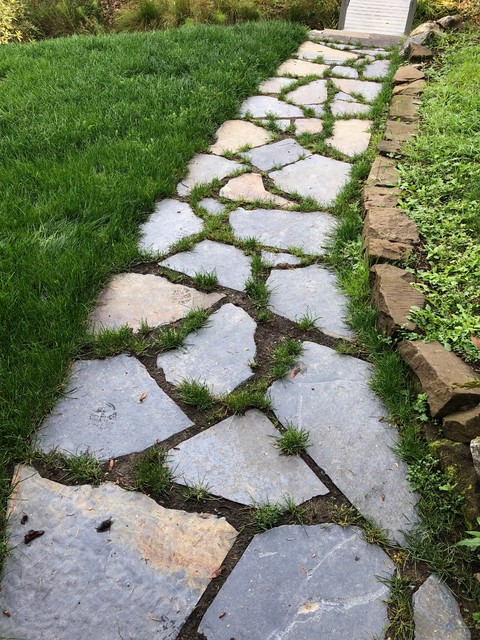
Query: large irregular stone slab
[218, 355]
[343, 108]
[275, 85]
[352, 442]
[139, 577]
[311, 51]
[345, 72]
[171, 221]
[237, 460]
[233, 135]
[203, 169]
[231, 266]
[308, 125]
[315, 177]
[377, 69]
[280, 259]
[249, 188]
[277, 154]
[214, 207]
[310, 94]
[311, 291]
[263, 106]
[303, 583]
[110, 408]
[133, 299]
[350, 137]
[444, 377]
[462, 426]
[437, 614]
[410, 89]
[301, 68]
[283, 229]
[369, 90]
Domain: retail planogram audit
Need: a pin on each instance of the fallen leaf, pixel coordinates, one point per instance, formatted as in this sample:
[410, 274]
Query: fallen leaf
[383, 497]
[31, 535]
[110, 464]
[105, 525]
[143, 396]
[217, 572]
[476, 341]
[223, 614]
[294, 372]
[7, 613]
[24, 519]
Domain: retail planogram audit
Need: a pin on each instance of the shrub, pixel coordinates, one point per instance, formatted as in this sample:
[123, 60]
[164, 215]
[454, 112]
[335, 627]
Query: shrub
[11, 11]
[55, 18]
[434, 9]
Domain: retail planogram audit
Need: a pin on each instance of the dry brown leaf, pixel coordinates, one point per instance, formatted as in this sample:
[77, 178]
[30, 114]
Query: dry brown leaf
[476, 341]
[110, 464]
[143, 396]
[294, 372]
[217, 572]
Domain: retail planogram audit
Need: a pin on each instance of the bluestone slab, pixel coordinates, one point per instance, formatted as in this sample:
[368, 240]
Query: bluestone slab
[344, 108]
[171, 221]
[303, 583]
[437, 614]
[377, 69]
[369, 90]
[211, 205]
[277, 259]
[352, 440]
[203, 169]
[110, 408]
[277, 154]
[345, 72]
[262, 106]
[311, 51]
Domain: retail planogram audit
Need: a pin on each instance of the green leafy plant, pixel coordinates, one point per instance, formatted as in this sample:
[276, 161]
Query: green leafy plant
[474, 541]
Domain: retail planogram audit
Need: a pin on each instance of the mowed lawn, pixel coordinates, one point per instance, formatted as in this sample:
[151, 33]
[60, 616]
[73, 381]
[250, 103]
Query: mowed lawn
[92, 131]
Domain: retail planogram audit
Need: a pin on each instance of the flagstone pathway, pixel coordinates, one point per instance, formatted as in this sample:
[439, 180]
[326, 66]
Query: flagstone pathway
[109, 563]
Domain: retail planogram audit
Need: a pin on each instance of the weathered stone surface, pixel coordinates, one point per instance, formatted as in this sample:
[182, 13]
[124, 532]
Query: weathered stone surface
[351, 439]
[139, 579]
[350, 137]
[390, 224]
[277, 154]
[389, 148]
[274, 85]
[203, 169]
[249, 188]
[279, 259]
[345, 72]
[386, 251]
[229, 264]
[309, 94]
[343, 108]
[419, 53]
[308, 125]
[341, 95]
[377, 69]
[308, 231]
[171, 221]
[393, 296]
[355, 37]
[212, 206]
[404, 107]
[462, 426]
[310, 291]
[303, 582]
[475, 452]
[450, 22]
[218, 355]
[371, 52]
[281, 123]
[311, 51]
[237, 460]
[408, 73]
[410, 89]
[369, 90]
[101, 411]
[400, 131]
[380, 197]
[443, 375]
[262, 106]
[316, 177]
[301, 68]
[437, 614]
[233, 135]
[131, 299]
[383, 173]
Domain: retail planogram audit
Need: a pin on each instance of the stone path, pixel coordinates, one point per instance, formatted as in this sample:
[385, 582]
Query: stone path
[111, 563]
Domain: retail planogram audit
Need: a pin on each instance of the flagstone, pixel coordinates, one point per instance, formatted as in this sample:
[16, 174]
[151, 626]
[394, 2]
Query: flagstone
[110, 408]
[132, 299]
[277, 154]
[341, 95]
[346, 72]
[311, 50]
[311, 291]
[301, 68]
[377, 69]
[275, 85]
[308, 125]
[110, 563]
[203, 169]
[211, 205]
[279, 259]
[309, 231]
[262, 106]
[344, 108]
[352, 440]
[369, 90]
[231, 266]
[219, 355]
[314, 93]
[171, 221]
[350, 137]
[249, 188]
[315, 177]
[233, 135]
[237, 460]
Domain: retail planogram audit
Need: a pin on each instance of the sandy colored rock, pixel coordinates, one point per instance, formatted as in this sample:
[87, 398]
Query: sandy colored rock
[386, 251]
[249, 188]
[274, 85]
[419, 53]
[301, 68]
[394, 295]
[408, 73]
[436, 613]
[311, 51]
[309, 94]
[369, 90]
[171, 221]
[390, 224]
[308, 125]
[444, 377]
[462, 426]
[350, 137]
[130, 299]
[410, 89]
[233, 135]
[204, 168]
[400, 131]
[380, 197]
[404, 107]
[383, 173]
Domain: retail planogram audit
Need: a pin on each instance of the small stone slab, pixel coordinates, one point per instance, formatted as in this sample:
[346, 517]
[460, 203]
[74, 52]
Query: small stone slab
[351, 439]
[311, 291]
[275, 85]
[249, 188]
[214, 207]
[345, 72]
[312, 50]
[263, 106]
[350, 137]
[367, 89]
[308, 125]
[303, 583]
[384, 173]
[231, 266]
[140, 577]
[462, 426]
[131, 299]
[437, 614]
[404, 107]
[309, 231]
[410, 89]
[314, 93]
[371, 52]
[218, 355]
[101, 411]
[390, 224]
[385, 251]
[408, 73]
[233, 135]
[343, 108]
[237, 460]
[280, 259]
[171, 221]
[277, 154]
[203, 169]
[301, 68]
[315, 177]
[377, 69]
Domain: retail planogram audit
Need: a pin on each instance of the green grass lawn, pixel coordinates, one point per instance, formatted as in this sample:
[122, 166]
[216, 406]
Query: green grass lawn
[92, 131]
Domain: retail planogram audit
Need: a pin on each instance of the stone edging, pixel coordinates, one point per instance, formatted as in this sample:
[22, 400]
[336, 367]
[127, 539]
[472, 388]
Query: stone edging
[389, 236]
